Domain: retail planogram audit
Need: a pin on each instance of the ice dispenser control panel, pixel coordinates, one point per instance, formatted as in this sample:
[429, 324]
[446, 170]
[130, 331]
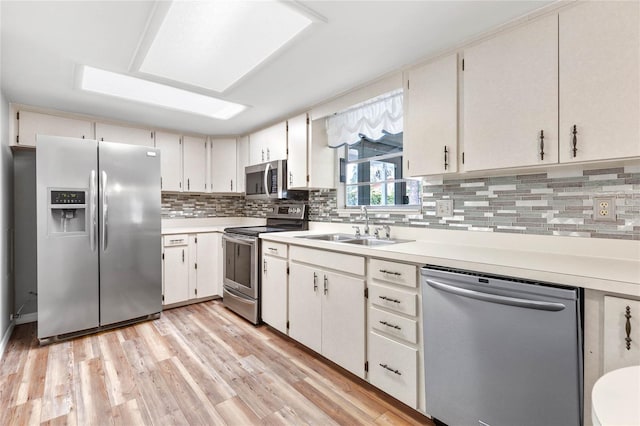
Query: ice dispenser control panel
[67, 197]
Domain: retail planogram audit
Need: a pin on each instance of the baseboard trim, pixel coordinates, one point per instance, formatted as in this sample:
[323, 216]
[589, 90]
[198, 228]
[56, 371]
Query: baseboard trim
[5, 338]
[27, 318]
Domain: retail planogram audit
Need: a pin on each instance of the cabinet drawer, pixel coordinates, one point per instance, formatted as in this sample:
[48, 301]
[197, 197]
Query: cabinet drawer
[328, 259]
[176, 240]
[274, 249]
[395, 300]
[393, 367]
[397, 273]
[394, 325]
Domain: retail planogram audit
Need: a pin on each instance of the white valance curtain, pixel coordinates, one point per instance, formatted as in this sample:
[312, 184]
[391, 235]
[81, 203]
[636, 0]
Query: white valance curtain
[369, 118]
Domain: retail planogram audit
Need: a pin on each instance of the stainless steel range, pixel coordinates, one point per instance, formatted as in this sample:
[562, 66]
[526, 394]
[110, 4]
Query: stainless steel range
[241, 247]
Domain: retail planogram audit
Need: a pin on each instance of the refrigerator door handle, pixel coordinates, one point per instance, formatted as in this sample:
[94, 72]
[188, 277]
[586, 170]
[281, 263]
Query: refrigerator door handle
[105, 210]
[92, 210]
[493, 298]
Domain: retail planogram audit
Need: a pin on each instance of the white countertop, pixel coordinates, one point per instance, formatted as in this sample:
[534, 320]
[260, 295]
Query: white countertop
[202, 225]
[606, 265]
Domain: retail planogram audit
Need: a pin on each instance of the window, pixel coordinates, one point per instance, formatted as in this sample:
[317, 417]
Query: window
[374, 174]
[372, 135]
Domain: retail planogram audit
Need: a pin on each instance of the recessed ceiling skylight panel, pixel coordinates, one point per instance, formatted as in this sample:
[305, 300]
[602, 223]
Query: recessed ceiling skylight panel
[213, 44]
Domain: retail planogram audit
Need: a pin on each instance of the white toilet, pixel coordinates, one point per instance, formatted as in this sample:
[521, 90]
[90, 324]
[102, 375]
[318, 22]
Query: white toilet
[615, 398]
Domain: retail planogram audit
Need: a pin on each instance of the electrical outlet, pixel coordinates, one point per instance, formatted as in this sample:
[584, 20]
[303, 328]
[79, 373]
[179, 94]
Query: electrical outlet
[604, 209]
[444, 208]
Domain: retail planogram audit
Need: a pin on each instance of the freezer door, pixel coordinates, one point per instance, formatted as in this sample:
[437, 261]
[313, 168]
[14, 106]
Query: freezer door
[67, 256]
[129, 243]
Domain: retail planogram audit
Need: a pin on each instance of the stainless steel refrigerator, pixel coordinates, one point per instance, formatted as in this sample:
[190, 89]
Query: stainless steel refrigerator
[98, 256]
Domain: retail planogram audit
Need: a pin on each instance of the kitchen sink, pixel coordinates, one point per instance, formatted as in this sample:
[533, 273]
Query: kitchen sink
[329, 237]
[372, 242]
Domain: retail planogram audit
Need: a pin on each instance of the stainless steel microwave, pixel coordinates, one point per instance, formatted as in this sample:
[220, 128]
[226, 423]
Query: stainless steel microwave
[267, 180]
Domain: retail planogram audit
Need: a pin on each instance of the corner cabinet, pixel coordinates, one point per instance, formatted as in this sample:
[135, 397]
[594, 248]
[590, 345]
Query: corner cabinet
[223, 176]
[273, 300]
[599, 81]
[327, 305]
[170, 145]
[30, 124]
[431, 118]
[310, 161]
[511, 98]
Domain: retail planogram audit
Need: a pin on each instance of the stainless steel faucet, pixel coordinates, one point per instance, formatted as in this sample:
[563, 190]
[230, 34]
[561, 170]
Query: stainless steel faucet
[366, 219]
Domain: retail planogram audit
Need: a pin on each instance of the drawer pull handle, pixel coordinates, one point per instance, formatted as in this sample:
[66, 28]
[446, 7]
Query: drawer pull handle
[397, 327]
[627, 328]
[384, 271]
[386, 367]
[273, 249]
[389, 299]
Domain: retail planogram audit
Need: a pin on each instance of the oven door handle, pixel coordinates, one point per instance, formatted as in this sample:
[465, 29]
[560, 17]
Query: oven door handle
[494, 298]
[247, 241]
[239, 296]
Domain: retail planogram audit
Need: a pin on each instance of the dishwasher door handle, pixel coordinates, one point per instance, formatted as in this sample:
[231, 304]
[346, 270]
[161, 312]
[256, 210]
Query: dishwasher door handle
[493, 298]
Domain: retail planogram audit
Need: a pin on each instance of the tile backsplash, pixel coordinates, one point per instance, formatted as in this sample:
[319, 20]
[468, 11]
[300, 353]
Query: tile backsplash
[559, 202]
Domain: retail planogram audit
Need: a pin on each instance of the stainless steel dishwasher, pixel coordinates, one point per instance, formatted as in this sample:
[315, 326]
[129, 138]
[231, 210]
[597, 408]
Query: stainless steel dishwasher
[501, 351]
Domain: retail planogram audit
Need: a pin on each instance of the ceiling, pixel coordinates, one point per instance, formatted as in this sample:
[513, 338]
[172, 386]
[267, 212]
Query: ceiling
[44, 42]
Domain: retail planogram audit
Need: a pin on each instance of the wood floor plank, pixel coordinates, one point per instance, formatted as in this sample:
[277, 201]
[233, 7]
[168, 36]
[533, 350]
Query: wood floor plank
[199, 364]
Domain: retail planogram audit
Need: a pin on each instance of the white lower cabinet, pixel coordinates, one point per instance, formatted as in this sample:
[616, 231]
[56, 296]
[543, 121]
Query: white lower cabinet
[191, 267]
[621, 333]
[327, 309]
[394, 351]
[393, 367]
[273, 300]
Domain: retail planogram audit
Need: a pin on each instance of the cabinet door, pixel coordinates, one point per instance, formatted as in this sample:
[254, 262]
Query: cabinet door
[31, 124]
[431, 118]
[208, 260]
[600, 80]
[242, 161]
[619, 315]
[268, 144]
[297, 141]
[223, 165]
[343, 314]
[195, 164]
[274, 292]
[510, 97]
[176, 274]
[170, 146]
[305, 291]
[121, 134]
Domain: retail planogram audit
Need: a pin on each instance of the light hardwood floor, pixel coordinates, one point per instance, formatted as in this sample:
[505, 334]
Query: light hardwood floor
[198, 365]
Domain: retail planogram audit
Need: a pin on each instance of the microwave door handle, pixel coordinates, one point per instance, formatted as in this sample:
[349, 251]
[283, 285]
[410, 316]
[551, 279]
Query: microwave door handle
[266, 179]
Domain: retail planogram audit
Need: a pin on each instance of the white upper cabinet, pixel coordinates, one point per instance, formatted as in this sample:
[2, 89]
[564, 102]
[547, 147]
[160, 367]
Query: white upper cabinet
[511, 98]
[194, 163]
[122, 134]
[297, 142]
[242, 160]
[430, 143]
[223, 165]
[600, 80]
[31, 124]
[310, 161]
[268, 144]
[170, 146]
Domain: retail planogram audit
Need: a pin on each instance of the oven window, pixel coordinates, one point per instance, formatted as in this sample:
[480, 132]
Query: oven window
[239, 263]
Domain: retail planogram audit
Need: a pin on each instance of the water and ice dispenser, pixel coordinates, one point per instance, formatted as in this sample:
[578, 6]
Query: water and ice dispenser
[67, 211]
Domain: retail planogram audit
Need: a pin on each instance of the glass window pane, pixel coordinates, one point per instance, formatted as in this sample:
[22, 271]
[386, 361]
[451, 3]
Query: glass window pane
[377, 171]
[414, 192]
[391, 194]
[376, 194]
[352, 173]
[352, 195]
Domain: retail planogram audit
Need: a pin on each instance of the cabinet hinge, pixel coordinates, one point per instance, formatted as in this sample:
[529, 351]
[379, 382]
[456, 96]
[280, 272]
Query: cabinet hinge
[463, 65]
[17, 138]
[307, 120]
[196, 240]
[366, 366]
[18, 115]
[180, 185]
[287, 325]
[195, 265]
[287, 270]
[163, 297]
[162, 256]
[462, 157]
[160, 182]
[287, 151]
[151, 135]
[196, 291]
[366, 293]
[407, 164]
[407, 84]
[287, 126]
